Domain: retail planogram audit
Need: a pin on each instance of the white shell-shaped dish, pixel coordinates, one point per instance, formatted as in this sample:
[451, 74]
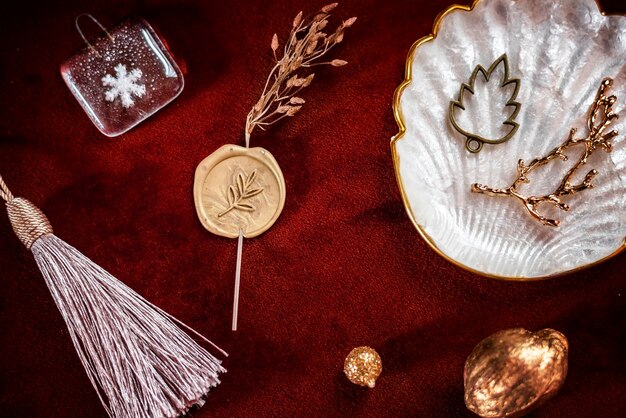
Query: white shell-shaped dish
[561, 50]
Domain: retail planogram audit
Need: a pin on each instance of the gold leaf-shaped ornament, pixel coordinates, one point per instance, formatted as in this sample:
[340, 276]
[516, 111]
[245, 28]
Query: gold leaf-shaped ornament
[474, 142]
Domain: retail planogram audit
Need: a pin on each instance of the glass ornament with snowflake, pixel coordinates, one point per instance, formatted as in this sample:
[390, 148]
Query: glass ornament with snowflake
[123, 77]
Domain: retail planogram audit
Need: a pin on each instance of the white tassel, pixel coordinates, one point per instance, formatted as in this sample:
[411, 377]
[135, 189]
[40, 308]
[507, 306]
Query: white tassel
[138, 360]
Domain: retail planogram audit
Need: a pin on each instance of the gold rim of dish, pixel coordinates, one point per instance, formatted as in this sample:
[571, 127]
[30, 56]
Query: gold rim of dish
[397, 112]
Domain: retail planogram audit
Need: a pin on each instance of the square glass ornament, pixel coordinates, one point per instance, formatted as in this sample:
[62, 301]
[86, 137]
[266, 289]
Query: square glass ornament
[124, 77]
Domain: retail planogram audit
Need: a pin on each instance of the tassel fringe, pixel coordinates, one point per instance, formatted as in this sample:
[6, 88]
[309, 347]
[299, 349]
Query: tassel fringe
[139, 361]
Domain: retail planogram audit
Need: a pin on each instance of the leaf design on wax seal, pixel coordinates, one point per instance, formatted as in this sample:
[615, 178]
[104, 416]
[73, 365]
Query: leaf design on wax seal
[240, 191]
[474, 142]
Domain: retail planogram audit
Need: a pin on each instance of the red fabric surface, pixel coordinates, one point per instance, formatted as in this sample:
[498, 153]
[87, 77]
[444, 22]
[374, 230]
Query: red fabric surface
[342, 267]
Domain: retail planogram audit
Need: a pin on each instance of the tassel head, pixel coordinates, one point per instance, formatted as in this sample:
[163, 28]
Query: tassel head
[28, 222]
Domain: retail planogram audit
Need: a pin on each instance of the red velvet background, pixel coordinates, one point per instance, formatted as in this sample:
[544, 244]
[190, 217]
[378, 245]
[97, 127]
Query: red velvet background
[342, 267]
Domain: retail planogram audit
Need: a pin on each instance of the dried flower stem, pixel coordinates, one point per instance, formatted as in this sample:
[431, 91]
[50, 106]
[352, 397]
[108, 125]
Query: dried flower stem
[600, 117]
[306, 44]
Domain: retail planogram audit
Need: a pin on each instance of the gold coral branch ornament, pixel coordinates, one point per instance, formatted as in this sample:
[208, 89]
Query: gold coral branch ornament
[600, 117]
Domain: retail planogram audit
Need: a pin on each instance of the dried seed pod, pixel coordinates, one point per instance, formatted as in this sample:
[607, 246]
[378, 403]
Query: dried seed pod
[513, 371]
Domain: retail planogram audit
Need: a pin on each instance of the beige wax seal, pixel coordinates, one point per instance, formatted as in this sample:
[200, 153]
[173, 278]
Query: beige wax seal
[239, 188]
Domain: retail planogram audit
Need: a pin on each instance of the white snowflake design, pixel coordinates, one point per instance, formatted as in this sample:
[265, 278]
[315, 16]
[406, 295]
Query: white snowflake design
[123, 85]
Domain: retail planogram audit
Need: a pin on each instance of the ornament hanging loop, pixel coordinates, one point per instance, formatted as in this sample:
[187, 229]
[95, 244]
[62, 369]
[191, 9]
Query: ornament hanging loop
[473, 145]
[82, 35]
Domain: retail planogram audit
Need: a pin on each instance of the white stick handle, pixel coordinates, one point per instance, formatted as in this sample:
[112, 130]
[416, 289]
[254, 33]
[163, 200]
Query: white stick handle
[237, 279]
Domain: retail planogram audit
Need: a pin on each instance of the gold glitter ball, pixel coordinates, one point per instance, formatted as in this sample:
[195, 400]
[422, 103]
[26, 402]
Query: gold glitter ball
[363, 366]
